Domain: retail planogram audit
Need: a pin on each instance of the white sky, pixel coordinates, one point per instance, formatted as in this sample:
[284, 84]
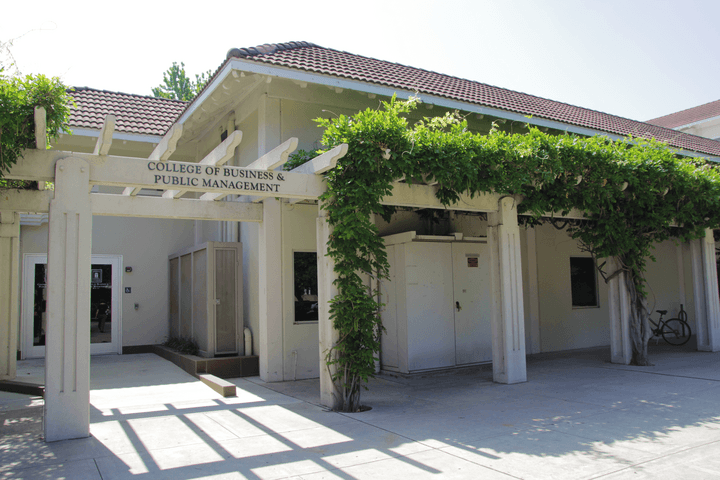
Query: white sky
[634, 58]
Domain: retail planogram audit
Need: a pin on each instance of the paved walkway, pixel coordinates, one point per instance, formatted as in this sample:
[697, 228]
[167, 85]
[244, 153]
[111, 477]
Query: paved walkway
[577, 417]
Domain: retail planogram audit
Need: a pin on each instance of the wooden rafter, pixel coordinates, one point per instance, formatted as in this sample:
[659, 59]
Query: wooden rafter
[162, 151]
[217, 157]
[40, 128]
[104, 141]
[270, 161]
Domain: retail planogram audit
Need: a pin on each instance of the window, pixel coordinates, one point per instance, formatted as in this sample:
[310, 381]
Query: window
[305, 286]
[583, 281]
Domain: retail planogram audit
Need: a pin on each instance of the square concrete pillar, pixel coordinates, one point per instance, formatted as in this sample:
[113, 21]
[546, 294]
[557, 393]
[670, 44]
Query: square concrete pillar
[67, 349]
[327, 334]
[270, 254]
[9, 292]
[508, 326]
[270, 308]
[705, 291]
[619, 305]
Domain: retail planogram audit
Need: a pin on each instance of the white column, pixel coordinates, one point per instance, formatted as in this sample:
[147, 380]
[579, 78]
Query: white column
[705, 290]
[9, 292]
[619, 305]
[508, 326]
[328, 336]
[67, 350]
[270, 255]
[270, 258]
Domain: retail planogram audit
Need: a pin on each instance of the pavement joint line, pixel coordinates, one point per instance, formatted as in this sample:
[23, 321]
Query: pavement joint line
[98, 468]
[479, 464]
[421, 442]
[650, 460]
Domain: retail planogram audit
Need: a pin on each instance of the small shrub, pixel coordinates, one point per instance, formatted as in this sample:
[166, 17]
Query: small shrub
[184, 345]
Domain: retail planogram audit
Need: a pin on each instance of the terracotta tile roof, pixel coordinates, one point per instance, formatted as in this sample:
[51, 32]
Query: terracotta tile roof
[691, 115]
[135, 113]
[313, 58]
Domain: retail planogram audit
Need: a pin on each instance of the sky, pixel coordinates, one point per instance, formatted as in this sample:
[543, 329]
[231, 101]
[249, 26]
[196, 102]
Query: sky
[638, 59]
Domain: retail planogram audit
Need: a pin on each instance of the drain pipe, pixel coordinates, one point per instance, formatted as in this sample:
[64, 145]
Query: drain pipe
[247, 336]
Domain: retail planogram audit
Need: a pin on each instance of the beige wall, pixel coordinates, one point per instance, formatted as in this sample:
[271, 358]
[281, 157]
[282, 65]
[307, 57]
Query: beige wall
[708, 128]
[298, 226]
[563, 327]
[251, 282]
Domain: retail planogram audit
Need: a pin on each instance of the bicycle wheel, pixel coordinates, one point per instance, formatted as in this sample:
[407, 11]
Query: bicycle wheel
[676, 332]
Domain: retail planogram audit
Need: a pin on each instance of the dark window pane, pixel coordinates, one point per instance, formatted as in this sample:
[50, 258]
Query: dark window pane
[583, 282]
[305, 286]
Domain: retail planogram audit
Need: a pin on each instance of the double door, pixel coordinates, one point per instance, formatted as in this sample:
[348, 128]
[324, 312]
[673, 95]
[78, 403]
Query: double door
[438, 306]
[104, 305]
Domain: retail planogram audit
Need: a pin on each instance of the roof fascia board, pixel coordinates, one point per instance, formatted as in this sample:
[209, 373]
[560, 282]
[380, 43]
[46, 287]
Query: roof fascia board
[209, 90]
[133, 137]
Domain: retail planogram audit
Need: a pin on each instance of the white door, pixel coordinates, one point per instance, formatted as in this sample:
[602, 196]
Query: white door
[429, 290]
[104, 305]
[473, 303]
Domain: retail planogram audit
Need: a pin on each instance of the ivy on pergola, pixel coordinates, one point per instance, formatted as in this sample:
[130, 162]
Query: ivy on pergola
[634, 193]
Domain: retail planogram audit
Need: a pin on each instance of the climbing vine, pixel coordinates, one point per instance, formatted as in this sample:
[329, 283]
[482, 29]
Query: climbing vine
[633, 192]
[18, 98]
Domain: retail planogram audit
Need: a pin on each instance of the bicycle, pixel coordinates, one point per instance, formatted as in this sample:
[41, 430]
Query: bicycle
[674, 331]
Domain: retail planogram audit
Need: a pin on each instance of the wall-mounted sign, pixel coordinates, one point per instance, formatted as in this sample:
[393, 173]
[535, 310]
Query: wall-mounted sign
[96, 275]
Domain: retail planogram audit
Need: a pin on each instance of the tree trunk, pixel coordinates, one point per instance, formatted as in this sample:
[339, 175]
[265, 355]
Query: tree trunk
[639, 324]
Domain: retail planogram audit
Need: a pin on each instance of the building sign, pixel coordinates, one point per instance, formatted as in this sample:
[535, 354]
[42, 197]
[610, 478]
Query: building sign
[176, 174]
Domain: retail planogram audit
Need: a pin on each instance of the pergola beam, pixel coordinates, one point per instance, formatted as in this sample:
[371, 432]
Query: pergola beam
[140, 173]
[104, 141]
[26, 201]
[32, 201]
[322, 163]
[423, 196]
[181, 208]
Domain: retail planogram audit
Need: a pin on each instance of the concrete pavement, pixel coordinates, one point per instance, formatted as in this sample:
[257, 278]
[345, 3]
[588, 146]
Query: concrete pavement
[577, 417]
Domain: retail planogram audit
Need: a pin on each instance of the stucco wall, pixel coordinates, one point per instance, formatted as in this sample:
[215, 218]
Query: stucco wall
[298, 225]
[563, 327]
[144, 245]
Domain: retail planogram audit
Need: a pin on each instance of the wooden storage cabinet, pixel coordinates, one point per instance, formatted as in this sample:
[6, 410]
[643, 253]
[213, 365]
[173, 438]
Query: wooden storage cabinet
[206, 297]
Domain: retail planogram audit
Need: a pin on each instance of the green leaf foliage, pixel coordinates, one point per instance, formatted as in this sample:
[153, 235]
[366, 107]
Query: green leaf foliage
[177, 85]
[634, 193]
[18, 98]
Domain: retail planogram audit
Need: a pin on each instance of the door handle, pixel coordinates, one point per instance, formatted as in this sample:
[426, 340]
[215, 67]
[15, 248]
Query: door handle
[457, 306]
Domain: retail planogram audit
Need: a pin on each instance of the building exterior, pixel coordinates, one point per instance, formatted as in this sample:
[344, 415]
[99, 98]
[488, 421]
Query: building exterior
[703, 120]
[153, 270]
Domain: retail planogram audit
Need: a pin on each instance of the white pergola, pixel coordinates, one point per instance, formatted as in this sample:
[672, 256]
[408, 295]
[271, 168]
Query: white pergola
[257, 190]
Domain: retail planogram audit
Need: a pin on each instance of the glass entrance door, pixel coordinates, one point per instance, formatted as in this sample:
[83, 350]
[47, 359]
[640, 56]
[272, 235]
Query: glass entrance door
[104, 304]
